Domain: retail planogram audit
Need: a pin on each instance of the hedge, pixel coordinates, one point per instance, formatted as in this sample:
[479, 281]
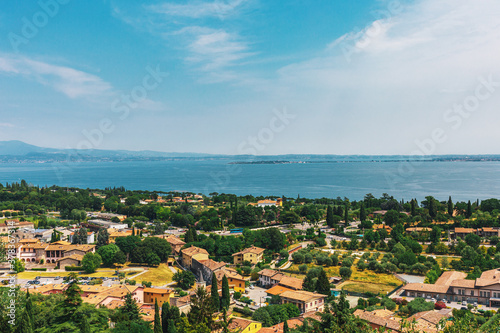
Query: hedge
[39, 269]
[73, 268]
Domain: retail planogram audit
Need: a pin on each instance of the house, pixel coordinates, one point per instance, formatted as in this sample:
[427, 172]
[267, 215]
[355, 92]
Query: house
[252, 254]
[269, 277]
[175, 242]
[306, 301]
[463, 232]
[376, 322]
[193, 252]
[107, 216]
[70, 260]
[377, 227]
[90, 237]
[269, 203]
[244, 325]
[291, 283]
[489, 232]
[115, 233]
[292, 324]
[454, 286]
[56, 251]
[277, 290]
[160, 295]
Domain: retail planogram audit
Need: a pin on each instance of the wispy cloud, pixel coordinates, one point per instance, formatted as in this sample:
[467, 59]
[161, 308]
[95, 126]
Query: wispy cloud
[199, 9]
[71, 82]
[6, 125]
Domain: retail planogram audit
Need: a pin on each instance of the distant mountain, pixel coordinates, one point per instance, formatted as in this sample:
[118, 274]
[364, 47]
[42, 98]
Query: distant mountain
[18, 151]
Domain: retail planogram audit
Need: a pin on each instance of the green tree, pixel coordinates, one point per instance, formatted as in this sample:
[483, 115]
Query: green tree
[329, 216]
[468, 214]
[108, 253]
[18, 265]
[362, 213]
[391, 217]
[184, 279]
[225, 300]
[285, 327]
[130, 310]
[29, 307]
[345, 272]
[85, 325]
[102, 238]
[56, 236]
[473, 240]
[322, 284]
[450, 207]
[157, 321]
[25, 324]
[91, 262]
[346, 214]
[215, 294]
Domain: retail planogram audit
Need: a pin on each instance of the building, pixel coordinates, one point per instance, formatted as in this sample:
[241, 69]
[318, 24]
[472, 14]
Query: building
[269, 203]
[193, 252]
[175, 242]
[70, 260]
[107, 224]
[235, 280]
[269, 277]
[463, 232]
[454, 286]
[115, 233]
[152, 295]
[107, 216]
[252, 254]
[306, 301]
[244, 325]
[90, 237]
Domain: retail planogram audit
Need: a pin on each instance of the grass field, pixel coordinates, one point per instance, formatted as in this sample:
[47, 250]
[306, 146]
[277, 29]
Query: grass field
[363, 287]
[157, 276]
[102, 272]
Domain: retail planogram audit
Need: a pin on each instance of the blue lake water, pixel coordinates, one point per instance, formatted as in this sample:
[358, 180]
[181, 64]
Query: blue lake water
[461, 180]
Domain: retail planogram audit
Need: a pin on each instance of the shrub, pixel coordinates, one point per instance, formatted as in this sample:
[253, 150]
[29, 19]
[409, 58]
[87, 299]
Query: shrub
[303, 268]
[237, 295]
[73, 268]
[39, 269]
[146, 284]
[373, 301]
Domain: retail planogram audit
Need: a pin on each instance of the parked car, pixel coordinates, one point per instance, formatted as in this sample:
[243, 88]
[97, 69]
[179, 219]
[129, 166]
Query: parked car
[463, 308]
[464, 303]
[475, 304]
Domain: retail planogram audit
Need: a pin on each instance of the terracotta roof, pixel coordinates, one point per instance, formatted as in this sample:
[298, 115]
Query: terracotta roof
[240, 323]
[291, 282]
[301, 295]
[379, 321]
[277, 290]
[93, 289]
[268, 272]
[211, 264]
[29, 240]
[425, 287]
[231, 273]
[192, 250]
[74, 256]
[447, 277]
[175, 240]
[158, 290]
[48, 287]
[253, 249]
[292, 323]
[464, 230]
[82, 247]
[428, 318]
[115, 304]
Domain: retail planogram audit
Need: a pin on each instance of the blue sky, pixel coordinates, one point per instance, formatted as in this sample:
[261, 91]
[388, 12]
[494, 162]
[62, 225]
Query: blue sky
[354, 77]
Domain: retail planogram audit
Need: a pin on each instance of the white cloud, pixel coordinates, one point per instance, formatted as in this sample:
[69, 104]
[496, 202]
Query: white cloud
[199, 9]
[71, 82]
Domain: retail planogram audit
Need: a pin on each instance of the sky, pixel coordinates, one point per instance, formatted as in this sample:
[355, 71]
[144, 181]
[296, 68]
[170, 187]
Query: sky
[252, 76]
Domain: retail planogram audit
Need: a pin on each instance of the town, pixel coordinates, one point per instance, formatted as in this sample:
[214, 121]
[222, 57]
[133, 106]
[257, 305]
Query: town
[115, 260]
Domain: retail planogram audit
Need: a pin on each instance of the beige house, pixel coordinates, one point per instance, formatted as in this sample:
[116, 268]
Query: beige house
[453, 286]
[176, 243]
[252, 254]
[71, 260]
[306, 301]
[193, 252]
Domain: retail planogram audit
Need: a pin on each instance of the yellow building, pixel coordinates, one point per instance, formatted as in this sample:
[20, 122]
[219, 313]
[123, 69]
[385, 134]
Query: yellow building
[244, 325]
[252, 254]
[235, 280]
[191, 253]
[114, 234]
[155, 294]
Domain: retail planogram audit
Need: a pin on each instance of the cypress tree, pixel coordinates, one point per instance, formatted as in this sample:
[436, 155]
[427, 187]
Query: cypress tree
[432, 208]
[322, 284]
[225, 300]
[165, 311]
[85, 325]
[362, 213]
[413, 207]
[171, 327]
[450, 206]
[469, 209]
[25, 324]
[329, 216]
[29, 307]
[157, 323]
[215, 294]
[346, 214]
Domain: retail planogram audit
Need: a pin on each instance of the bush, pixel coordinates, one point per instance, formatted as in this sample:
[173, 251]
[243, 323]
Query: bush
[237, 295]
[373, 300]
[131, 282]
[388, 303]
[73, 268]
[146, 284]
[39, 269]
[303, 268]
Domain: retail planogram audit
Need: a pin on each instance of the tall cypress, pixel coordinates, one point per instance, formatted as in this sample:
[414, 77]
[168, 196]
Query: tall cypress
[157, 323]
[346, 214]
[413, 207]
[165, 311]
[171, 327]
[285, 327]
[329, 216]
[450, 206]
[362, 212]
[29, 307]
[25, 325]
[215, 294]
[322, 284]
[469, 209]
[85, 325]
[225, 300]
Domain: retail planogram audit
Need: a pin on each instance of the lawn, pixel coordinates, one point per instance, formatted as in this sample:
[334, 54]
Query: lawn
[102, 272]
[158, 276]
[363, 287]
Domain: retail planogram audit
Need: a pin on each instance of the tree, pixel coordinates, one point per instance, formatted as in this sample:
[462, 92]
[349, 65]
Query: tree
[391, 217]
[322, 284]
[85, 326]
[473, 240]
[91, 262]
[225, 300]
[215, 294]
[120, 258]
[346, 214]
[362, 213]
[56, 236]
[450, 207]
[108, 253]
[157, 321]
[102, 238]
[80, 237]
[184, 279]
[435, 235]
[329, 216]
[18, 265]
[285, 327]
[29, 307]
[345, 272]
[130, 310]
[468, 214]
[25, 324]
[159, 246]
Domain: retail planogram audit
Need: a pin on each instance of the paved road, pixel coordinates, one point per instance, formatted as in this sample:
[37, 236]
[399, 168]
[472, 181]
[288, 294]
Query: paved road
[258, 294]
